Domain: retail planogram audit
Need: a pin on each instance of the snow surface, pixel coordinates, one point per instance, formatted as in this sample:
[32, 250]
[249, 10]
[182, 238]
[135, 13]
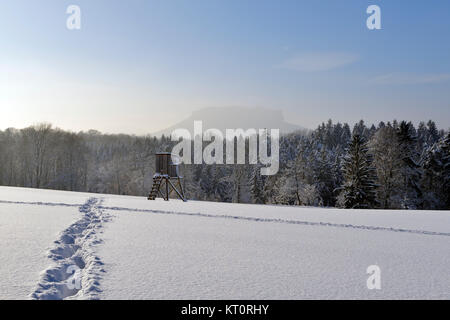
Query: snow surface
[131, 248]
[26, 233]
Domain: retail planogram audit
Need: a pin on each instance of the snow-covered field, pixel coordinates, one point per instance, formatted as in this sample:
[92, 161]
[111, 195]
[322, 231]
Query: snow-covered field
[130, 248]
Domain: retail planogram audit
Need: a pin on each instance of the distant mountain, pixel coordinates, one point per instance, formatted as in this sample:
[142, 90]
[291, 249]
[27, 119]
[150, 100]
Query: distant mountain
[233, 118]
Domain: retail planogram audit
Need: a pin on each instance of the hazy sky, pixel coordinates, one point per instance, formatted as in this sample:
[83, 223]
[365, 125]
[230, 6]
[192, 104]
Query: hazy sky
[141, 66]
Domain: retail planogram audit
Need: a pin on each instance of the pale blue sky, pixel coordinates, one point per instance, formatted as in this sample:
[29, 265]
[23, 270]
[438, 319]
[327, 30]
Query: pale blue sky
[140, 66]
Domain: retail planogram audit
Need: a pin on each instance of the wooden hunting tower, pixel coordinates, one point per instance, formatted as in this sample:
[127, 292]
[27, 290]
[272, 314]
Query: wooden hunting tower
[166, 172]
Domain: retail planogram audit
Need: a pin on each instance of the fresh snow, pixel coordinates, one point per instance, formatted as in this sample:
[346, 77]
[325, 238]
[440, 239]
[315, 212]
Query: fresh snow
[26, 232]
[130, 248]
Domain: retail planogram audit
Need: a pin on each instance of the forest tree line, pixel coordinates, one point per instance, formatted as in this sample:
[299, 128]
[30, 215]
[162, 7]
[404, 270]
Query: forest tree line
[393, 165]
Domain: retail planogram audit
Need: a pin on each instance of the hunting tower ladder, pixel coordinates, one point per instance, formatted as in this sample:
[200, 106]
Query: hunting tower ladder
[167, 178]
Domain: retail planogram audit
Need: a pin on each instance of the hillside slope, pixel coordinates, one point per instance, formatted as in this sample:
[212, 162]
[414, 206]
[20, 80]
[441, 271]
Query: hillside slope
[234, 118]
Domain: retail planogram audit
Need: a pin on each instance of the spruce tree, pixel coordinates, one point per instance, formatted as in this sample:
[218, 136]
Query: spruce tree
[445, 174]
[388, 163]
[436, 180]
[257, 186]
[411, 173]
[433, 132]
[324, 176]
[358, 190]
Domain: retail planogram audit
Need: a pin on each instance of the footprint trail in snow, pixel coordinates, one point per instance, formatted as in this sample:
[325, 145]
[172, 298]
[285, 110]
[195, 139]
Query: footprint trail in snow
[77, 271]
